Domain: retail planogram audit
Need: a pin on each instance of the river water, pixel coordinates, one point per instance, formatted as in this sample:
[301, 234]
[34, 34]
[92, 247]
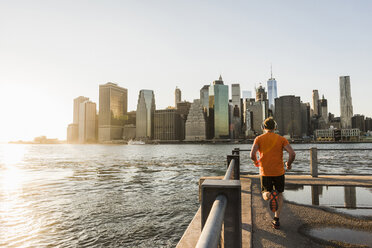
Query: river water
[120, 195]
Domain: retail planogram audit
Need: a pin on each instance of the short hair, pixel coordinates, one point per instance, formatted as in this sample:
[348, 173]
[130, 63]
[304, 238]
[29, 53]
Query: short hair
[269, 124]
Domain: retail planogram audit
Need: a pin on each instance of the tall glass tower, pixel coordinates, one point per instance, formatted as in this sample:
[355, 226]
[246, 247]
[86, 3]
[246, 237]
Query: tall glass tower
[219, 109]
[145, 115]
[113, 105]
[345, 102]
[272, 92]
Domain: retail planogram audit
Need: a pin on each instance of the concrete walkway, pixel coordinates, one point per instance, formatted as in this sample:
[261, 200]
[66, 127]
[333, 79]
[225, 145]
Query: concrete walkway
[295, 219]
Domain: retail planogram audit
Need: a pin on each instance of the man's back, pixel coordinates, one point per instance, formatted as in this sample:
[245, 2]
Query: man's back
[270, 147]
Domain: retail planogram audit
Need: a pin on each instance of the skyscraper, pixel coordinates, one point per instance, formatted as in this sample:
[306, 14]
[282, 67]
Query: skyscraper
[345, 102]
[145, 115]
[323, 109]
[73, 128]
[196, 123]
[204, 96]
[113, 105]
[261, 94]
[87, 122]
[288, 116]
[272, 91]
[315, 102]
[235, 96]
[219, 109]
[177, 96]
[77, 102]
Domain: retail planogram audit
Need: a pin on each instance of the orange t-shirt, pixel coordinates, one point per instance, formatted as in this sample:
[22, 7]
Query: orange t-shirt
[270, 147]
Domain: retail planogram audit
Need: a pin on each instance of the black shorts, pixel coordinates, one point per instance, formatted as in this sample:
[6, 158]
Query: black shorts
[270, 183]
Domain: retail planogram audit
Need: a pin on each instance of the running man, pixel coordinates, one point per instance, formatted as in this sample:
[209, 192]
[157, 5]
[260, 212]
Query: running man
[270, 147]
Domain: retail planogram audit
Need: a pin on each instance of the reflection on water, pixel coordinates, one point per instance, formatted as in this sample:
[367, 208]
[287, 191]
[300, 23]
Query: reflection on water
[116, 195]
[344, 235]
[347, 199]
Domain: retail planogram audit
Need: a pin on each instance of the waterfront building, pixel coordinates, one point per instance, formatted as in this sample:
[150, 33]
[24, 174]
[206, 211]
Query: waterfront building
[196, 124]
[183, 109]
[73, 129]
[177, 96]
[315, 102]
[218, 113]
[129, 132]
[272, 92]
[368, 124]
[350, 134]
[113, 105]
[167, 125]
[323, 109]
[345, 102]
[129, 129]
[255, 112]
[145, 115]
[72, 133]
[261, 94]
[288, 116]
[305, 119]
[204, 97]
[324, 135]
[357, 121]
[88, 122]
[77, 102]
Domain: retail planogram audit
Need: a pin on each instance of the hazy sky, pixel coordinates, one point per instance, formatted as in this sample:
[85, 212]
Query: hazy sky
[53, 51]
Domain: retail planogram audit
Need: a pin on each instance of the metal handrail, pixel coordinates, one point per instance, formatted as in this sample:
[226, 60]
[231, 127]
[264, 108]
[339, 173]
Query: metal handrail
[210, 236]
[322, 149]
[229, 170]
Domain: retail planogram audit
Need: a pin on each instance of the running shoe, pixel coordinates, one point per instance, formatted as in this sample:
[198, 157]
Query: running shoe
[275, 223]
[273, 201]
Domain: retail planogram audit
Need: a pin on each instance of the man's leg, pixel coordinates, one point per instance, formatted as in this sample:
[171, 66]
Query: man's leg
[280, 205]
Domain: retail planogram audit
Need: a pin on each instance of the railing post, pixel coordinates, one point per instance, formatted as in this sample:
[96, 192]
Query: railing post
[232, 231]
[237, 165]
[314, 161]
[236, 151]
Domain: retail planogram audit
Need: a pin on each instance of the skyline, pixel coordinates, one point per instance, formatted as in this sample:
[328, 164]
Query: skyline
[55, 52]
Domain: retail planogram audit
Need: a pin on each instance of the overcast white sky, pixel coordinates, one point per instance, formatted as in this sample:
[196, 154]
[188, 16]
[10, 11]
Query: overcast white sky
[53, 51]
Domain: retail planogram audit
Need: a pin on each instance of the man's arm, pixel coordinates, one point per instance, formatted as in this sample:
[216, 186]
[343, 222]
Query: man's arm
[292, 156]
[253, 154]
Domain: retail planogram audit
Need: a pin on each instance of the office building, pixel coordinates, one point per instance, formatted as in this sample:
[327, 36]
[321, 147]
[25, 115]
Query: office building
[145, 115]
[272, 92]
[177, 96]
[73, 133]
[218, 113]
[73, 129]
[129, 129]
[77, 102]
[288, 116]
[196, 124]
[323, 109]
[305, 119]
[358, 121]
[368, 124]
[261, 94]
[183, 110]
[315, 102]
[88, 122]
[113, 105]
[345, 102]
[167, 125]
[255, 112]
[204, 97]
